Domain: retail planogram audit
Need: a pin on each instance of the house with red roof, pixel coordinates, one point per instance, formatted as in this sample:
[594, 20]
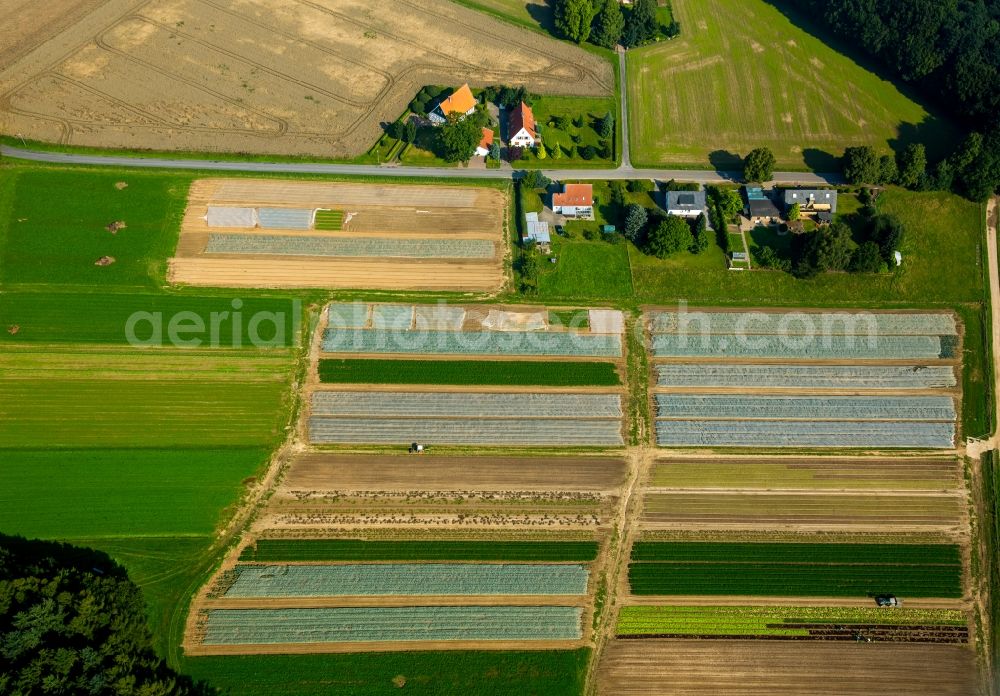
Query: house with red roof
[484, 144]
[521, 128]
[575, 201]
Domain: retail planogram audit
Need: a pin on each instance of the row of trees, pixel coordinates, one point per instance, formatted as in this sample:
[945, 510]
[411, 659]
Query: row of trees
[951, 51]
[604, 23]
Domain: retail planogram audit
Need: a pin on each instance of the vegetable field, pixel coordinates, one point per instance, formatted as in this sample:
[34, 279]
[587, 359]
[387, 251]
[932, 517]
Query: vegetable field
[801, 623]
[390, 624]
[273, 550]
[469, 372]
[888, 377]
[376, 579]
[727, 510]
[762, 433]
[465, 418]
[896, 408]
[329, 220]
[358, 246]
[820, 570]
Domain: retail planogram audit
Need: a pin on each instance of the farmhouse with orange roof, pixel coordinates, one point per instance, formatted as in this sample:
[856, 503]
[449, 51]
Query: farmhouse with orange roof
[461, 103]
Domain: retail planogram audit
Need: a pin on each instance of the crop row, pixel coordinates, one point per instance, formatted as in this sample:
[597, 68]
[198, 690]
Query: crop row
[369, 624]
[271, 550]
[802, 323]
[916, 408]
[762, 433]
[468, 372]
[799, 347]
[793, 579]
[329, 220]
[466, 405]
[502, 343]
[479, 431]
[798, 553]
[408, 579]
[807, 376]
[771, 621]
[354, 247]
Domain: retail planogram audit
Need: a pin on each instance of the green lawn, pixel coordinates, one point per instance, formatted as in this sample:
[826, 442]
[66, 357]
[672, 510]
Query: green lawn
[590, 109]
[469, 372]
[743, 75]
[445, 673]
[586, 270]
[94, 493]
[276, 550]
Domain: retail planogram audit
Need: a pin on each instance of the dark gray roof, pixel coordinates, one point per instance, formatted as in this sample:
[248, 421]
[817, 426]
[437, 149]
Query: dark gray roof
[759, 203]
[806, 196]
[685, 200]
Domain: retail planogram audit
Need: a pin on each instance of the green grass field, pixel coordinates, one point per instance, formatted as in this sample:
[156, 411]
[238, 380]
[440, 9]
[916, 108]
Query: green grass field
[94, 493]
[56, 228]
[805, 570]
[276, 550]
[445, 673]
[45, 403]
[52, 316]
[469, 372]
[586, 270]
[743, 75]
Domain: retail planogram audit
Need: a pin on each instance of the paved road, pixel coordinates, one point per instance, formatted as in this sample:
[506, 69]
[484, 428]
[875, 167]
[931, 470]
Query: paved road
[626, 156]
[699, 176]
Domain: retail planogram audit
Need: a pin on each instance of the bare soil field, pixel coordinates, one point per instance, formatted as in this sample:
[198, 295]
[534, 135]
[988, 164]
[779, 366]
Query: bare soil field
[375, 211]
[752, 668]
[263, 76]
[328, 471]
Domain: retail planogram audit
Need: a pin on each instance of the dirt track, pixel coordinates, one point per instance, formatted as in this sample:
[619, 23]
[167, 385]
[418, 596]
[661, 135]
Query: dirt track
[262, 76]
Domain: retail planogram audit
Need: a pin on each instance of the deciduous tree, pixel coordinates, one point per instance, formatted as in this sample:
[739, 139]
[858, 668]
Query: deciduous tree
[573, 18]
[608, 24]
[759, 165]
[669, 237]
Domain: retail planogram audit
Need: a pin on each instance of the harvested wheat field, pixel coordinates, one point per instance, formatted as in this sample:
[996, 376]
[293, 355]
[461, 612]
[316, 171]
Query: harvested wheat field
[752, 668]
[263, 76]
[268, 233]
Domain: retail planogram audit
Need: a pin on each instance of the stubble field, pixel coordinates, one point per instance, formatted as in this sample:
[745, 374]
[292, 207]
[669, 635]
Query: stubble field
[289, 77]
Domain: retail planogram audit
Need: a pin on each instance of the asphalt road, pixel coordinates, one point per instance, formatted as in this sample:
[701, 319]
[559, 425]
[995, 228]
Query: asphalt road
[699, 176]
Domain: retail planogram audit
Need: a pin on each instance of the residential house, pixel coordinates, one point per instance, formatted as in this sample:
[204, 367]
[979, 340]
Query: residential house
[461, 103]
[575, 201]
[521, 128]
[536, 230]
[760, 208]
[686, 204]
[484, 143]
[818, 203]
